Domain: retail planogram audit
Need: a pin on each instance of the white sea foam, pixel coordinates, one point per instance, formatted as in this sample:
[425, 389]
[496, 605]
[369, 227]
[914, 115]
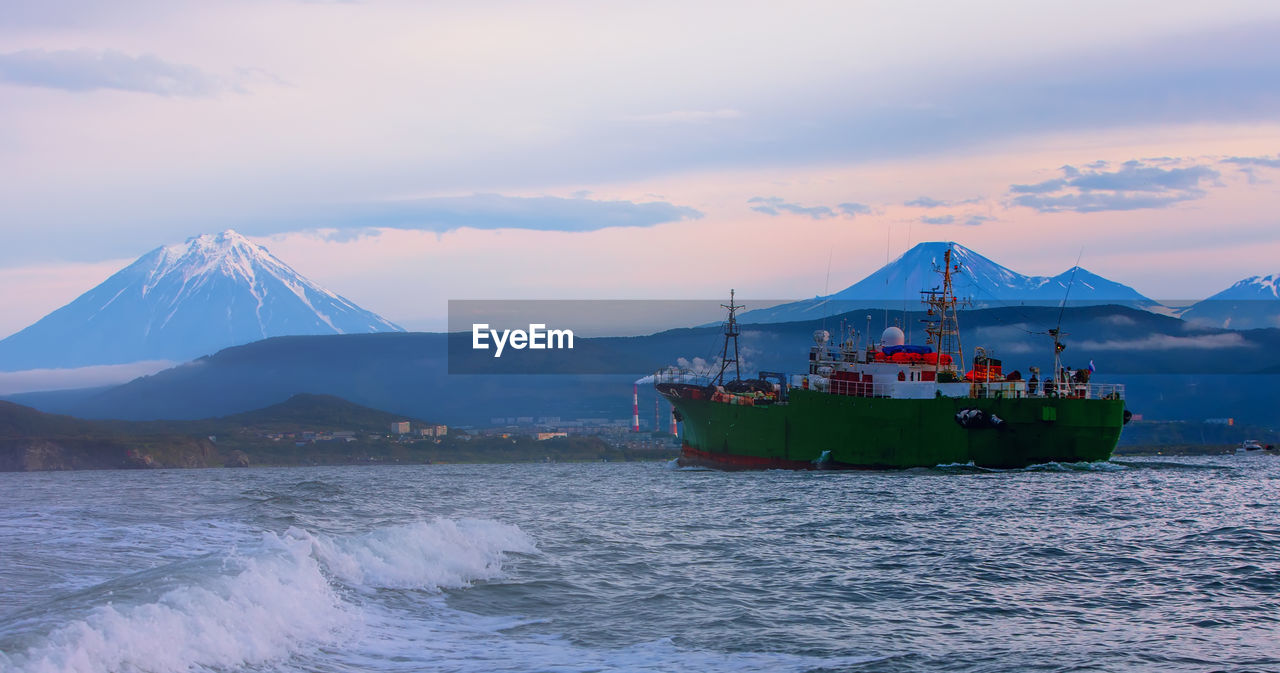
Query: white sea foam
[268, 604]
[674, 464]
[1097, 466]
[304, 601]
[260, 611]
[944, 466]
[442, 554]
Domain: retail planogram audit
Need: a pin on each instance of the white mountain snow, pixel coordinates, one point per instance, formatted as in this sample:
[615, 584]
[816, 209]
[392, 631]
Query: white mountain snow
[183, 301]
[1250, 303]
[980, 280]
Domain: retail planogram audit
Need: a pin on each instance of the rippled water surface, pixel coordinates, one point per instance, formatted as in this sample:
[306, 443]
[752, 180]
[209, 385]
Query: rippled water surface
[1145, 564]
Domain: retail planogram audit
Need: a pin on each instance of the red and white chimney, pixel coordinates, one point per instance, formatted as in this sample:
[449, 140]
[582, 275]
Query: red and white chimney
[635, 407]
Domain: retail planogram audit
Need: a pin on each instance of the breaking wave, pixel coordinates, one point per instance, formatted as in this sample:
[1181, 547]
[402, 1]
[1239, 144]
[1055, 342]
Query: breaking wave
[287, 595]
[443, 554]
[296, 603]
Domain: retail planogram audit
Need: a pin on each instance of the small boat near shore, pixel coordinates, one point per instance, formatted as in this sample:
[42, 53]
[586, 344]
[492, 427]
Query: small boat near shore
[1254, 447]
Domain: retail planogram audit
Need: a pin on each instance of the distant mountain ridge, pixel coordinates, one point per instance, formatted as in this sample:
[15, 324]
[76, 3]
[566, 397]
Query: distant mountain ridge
[182, 301]
[982, 281]
[1249, 304]
[1172, 370]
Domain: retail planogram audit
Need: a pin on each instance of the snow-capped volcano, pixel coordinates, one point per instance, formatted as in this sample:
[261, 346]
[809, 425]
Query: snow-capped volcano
[982, 281]
[183, 301]
[1251, 303]
[1254, 287]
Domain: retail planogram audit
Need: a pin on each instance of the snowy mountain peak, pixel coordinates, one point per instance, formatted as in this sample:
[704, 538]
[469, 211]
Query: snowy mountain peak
[217, 245]
[1248, 304]
[982, 281]
[1265, 288]
[1261, 285]
[227, 254]
[185, 300]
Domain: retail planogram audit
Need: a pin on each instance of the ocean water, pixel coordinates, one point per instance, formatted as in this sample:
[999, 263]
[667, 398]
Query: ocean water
[1144, 564]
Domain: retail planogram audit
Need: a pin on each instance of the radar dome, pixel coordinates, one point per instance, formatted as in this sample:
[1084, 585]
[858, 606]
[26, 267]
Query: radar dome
[892, 336]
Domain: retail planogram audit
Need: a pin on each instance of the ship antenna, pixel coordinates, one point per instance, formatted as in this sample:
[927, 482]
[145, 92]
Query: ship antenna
[826, 289]
[1056, 332]
[730, 332]
[1070, 282]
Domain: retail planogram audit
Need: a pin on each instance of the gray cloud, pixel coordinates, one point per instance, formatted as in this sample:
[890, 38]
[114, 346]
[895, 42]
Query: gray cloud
[1249, 167]
[496, 211]
[1135, 185]
[347, 235]
[1251, 173]
[853, 209]
[773, 205]
[975, 220]
[927, 202]
[88, 70]
[1269, 162]
[941, 219]
[356, 220]
[1136, 177]
[1098, 202]
[1039, 187]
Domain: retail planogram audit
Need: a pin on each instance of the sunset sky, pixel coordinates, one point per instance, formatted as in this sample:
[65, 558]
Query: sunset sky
[408, 153]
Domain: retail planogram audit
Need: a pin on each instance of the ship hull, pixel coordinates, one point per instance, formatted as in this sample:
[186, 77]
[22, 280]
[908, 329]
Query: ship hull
[818, 430]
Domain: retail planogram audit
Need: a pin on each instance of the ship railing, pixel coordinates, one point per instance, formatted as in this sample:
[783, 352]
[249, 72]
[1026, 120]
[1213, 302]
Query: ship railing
[899, 389]
[681, 376]
[849, 388]
[1049, 389]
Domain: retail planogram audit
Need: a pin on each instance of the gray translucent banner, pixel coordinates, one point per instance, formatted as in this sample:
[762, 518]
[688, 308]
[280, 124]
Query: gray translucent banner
[638, 337]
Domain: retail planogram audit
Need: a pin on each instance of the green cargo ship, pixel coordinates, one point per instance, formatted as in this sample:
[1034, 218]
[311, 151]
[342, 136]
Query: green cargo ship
[891, 405]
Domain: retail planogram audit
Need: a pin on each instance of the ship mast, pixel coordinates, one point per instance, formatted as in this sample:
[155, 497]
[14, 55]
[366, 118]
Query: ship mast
[730, 332]
[1058, 347]
[943, 327]
[1057, 332]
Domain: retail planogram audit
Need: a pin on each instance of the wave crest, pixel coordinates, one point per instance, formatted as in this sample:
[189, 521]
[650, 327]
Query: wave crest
[263, 606]
[436, 555]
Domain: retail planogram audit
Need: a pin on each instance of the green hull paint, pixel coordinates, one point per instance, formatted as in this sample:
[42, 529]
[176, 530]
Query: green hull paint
[870, 432]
